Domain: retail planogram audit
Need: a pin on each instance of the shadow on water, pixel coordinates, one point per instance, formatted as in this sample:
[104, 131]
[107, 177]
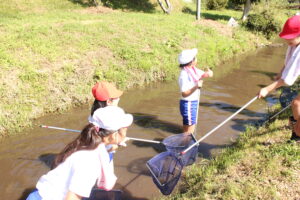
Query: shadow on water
[151, 121]
[47, 159]
[25, 193]
[157, 147]
[269, 74]
[138, 167]
[126, 195]
[232, 109]
[132, 5]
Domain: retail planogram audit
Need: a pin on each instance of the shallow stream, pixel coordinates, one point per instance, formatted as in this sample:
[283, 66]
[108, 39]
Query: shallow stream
[24, 158]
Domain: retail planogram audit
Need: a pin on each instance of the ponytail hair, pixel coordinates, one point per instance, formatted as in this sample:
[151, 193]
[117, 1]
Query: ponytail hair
[89, 139]
[98, 104]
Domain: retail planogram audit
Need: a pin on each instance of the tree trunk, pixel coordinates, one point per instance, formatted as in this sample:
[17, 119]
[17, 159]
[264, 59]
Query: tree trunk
[247, 8]
[199, 9]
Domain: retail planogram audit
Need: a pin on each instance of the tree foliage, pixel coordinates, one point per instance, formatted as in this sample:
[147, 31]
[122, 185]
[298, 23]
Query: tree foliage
[216, 4]
[263, 22]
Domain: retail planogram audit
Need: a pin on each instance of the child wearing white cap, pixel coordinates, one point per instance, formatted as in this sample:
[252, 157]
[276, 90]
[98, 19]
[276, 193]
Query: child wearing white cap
[85, 161]
[106, 94]
[190, 82]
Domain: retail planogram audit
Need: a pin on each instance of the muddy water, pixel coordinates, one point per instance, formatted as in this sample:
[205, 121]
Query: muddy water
[23, 159]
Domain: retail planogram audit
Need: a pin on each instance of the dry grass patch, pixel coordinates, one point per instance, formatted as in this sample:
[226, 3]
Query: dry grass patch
[223, 29]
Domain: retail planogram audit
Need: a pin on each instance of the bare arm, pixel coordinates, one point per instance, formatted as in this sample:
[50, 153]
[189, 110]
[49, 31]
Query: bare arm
[266, 90]
[278, 76]
[72, 196]
[193, 89]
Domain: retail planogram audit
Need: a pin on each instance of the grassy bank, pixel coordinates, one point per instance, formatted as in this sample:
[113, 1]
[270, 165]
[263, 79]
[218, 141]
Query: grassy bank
[53, 51]
[262, 164]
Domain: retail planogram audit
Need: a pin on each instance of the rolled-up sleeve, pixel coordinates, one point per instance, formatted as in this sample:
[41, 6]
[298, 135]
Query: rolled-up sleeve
[292, 69]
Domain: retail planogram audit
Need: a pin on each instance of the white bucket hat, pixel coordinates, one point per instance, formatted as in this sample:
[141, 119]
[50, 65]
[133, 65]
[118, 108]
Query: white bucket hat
[111, 118]
[187, 56]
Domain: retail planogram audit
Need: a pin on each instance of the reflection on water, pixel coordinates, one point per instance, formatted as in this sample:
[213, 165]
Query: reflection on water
[156, 116]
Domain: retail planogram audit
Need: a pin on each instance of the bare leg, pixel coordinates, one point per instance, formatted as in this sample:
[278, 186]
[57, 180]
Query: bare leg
[296, 114]
[188, 129]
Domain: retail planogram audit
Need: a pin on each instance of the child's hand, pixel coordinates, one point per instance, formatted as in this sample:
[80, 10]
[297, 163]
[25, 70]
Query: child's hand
[200, 83]
[113, 148]
[262, 93]
[209, 72]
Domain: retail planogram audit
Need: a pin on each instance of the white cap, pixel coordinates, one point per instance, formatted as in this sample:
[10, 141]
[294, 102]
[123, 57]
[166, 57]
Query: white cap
[187, 56]
[111, 118]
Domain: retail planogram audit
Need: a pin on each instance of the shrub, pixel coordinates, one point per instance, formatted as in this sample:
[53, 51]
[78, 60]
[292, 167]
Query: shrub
[240, 2]
[216, 4]
[263, 22]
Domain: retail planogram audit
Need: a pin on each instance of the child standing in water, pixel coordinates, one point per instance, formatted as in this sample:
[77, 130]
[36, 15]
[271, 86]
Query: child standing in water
[290, 71]
[190, 83]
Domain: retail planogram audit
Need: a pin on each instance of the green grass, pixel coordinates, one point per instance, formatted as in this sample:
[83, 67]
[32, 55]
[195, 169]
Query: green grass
[53, 51]
[260, 165]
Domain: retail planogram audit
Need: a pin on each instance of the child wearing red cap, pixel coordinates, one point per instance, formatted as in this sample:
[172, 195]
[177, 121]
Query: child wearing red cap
[290, 71]
[105, 94]
[190, 82]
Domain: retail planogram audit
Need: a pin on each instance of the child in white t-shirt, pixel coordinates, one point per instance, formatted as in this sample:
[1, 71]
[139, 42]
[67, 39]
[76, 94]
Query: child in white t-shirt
[291, 70]
[190, 82]
[106, 94]
[85, 161]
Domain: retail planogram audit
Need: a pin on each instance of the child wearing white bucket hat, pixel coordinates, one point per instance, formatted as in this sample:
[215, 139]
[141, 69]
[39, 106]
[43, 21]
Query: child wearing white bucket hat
[190, 81]
[85, 161]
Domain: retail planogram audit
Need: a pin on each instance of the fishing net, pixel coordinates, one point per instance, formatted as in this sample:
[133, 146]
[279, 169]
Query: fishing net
[99, 194]
[180, 142]
[166, 167]
[286, 96]
[166, 170]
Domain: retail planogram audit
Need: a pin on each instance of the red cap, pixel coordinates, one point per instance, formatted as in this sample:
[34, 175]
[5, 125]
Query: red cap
[104, 91]
[291, 28]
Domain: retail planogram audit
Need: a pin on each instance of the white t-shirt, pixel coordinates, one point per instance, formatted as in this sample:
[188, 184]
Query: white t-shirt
[186, 82]
[78, 173]
[292, 65]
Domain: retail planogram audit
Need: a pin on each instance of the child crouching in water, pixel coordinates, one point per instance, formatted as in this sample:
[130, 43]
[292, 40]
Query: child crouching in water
[85, 161]
[190, 83]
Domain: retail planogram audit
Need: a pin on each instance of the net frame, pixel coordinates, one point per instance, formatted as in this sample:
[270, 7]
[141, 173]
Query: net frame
[178, 143]
[166, 187]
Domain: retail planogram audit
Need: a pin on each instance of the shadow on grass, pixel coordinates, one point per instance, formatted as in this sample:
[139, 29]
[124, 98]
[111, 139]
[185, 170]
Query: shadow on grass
[205, 149]
[132, 5]
[205, 15]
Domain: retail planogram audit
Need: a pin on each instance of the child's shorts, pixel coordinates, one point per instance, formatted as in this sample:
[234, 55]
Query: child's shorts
[34, 195]
[188, 111]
